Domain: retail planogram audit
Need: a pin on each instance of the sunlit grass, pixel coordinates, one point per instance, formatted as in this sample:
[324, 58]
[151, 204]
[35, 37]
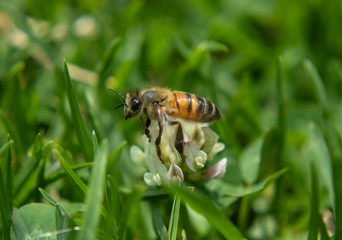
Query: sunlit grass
[272, 68]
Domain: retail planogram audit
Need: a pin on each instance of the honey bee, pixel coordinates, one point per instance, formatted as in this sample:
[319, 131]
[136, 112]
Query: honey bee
[160, 103]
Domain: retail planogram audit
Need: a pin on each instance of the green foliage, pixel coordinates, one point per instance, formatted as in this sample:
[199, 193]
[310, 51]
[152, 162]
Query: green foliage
[74, 178]
[174, 218]
[205, 207]
[78, 123]
[314, 217]
[65, 165]
[25, 224]
[94, 198]
[158, 224]
[5, 186]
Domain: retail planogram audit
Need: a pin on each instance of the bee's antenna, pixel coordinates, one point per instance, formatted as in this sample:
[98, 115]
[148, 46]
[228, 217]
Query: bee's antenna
[120, 106]
[124, 100]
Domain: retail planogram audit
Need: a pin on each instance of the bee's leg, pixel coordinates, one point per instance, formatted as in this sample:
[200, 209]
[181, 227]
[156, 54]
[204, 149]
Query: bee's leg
[179, 143]
[158, 139]
[145, 126]
[147, 132]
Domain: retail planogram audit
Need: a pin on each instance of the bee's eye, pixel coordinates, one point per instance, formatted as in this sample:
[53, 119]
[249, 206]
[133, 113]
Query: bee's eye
[135, 105]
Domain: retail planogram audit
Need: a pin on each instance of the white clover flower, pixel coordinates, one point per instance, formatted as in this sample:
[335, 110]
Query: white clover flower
[194, 157]
[216, 171]
[137, 155]
[152, 179]
[175, 173]
[200, 146]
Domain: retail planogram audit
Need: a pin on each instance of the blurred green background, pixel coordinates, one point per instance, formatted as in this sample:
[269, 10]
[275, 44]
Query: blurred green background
[273, 68]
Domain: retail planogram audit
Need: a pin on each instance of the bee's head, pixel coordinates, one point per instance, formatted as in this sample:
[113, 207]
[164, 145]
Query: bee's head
[133, 106]
[132, 103]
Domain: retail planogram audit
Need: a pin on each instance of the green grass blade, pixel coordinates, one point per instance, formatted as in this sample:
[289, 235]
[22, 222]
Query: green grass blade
[337, 173]
[282, 119]
[75, 179]
[202, 51]
[113, 205]
[314, 205]
[31, 165]
[114, 156]
[113, 197]
[59, 222]
[202, 204]
[258, 187]
[213, 46]
[6, 166]
[5, 209]
[37, 145]
[323, 230]
[129, 211]
[107, 58]
[332, 139]
[274, 141]
[81, 130]
[317, 84]
[34, 175]
[5, 147]
[8, 125]
[50, 199]
[95, 142]
[62, 217]
[91, 216]
[172, 231]
[55, 176]
[158, 224]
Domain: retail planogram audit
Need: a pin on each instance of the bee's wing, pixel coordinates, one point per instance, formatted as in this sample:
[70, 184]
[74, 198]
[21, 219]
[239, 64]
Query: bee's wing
[162, 115]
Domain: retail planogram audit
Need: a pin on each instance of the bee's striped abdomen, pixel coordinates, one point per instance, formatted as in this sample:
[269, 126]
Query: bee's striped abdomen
[192, 107]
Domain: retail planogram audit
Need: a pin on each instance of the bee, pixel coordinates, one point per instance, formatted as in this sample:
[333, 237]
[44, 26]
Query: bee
[160, 103]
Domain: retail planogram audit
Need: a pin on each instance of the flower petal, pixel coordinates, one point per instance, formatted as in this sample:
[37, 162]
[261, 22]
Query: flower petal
[154, 165]
[194, 157]
[153, 179]
[211, 139]
[216, 171]
[192, 131]
[218, 147]
[175, 173]
[201, 145]
[190, 152]
[175, 157]
[200, 160]
[137, 155]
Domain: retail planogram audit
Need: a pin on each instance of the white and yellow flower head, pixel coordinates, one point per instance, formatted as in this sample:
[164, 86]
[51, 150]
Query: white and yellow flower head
[200, 146]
